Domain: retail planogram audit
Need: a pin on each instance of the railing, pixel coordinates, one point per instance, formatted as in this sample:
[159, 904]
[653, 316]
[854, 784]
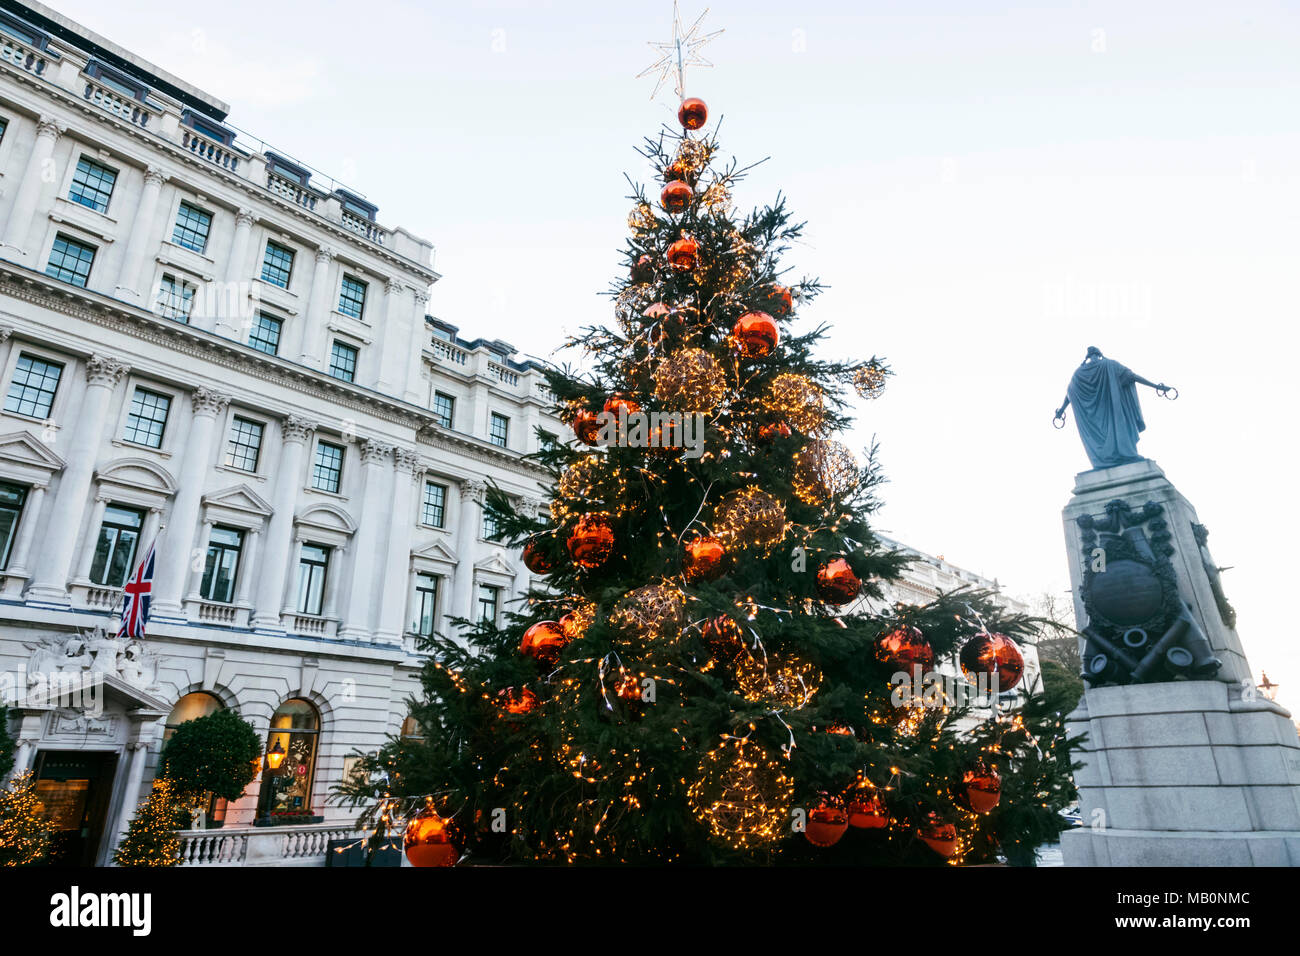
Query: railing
[11, 51]
[363, 227]
[503, 374]
[261, 846]
[307, 624]
[223, 614]
[288, 189]
[449, 353]
[544, 390]
[216, 153]
[119, 106]
[102, 598]
[214, 848]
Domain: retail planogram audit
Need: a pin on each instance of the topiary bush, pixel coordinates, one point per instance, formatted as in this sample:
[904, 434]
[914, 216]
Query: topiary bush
[213, 755]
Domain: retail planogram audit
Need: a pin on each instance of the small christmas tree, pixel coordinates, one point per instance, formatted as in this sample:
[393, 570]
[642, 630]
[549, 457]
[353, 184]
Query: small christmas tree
[151, 837]
[24, 832]
[210, 756]
[6, 744]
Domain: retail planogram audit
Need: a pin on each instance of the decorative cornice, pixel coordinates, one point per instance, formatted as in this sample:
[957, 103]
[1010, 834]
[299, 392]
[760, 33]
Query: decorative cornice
[103, 370]
[297, 429]
[208, 402]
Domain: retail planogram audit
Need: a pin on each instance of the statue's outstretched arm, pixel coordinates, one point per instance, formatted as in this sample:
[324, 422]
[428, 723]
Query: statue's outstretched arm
[1141, 381]
[1064, 405]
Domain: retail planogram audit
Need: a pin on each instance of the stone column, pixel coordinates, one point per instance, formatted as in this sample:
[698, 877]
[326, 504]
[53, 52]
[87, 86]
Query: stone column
[152, 525]
[467, 535]
[198, 561]
[19, 225]
[22, 553]
[54, 557]
[131, 794]
[231, 320]
[130, 280]
[296, 434]
[413, 392]
[390, 343]
[91, 539]
[316, 315]
[244, 587]
[359, 616]
[176, 559]
[397, 570]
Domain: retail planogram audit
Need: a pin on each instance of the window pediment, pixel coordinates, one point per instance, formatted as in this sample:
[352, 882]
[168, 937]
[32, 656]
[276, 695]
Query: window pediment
[25, 458]
[239, 505]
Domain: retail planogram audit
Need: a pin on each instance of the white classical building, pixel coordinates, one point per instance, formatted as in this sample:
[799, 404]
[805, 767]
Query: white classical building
[206, 344]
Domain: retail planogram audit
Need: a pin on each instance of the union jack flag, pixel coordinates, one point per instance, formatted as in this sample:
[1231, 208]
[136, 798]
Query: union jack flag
[139, 595]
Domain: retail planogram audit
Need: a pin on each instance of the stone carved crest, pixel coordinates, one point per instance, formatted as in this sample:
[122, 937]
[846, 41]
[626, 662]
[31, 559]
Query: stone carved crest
[93, 652]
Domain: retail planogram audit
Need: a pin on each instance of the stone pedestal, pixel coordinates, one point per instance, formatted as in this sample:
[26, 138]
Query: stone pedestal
[1178, 772]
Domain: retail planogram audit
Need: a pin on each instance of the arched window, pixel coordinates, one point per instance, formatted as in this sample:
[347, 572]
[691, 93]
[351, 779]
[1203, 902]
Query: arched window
[291, 742]
[411, 729]
[191, 707]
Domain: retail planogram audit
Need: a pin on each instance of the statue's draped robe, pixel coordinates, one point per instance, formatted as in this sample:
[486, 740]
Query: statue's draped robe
[1104, 395]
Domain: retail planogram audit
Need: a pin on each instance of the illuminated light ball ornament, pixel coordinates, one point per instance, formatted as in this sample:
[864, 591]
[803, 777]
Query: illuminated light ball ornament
[643, 270]
[690, 381]
[582, 481]
[938, 836]
[869, 381]
[683, 255]
[774, 430]
[992, 654]
[703, 558]
[641, 220]
[865, 806]
[517, 701]
[723, 637]
[692, 114]
[429, 839]
[742, 794]
[777, 300]
[536, 559]
[591, 541]
[827, 823]
[586, 426]
[824, 470]
[627, 688]
[574, 624]
[676, 196]
[756, 334]
[790, 685]
[543, 642]
[983, 788]
[749, 518]
[796, 400]
[905, 647]
[653, 612]
[692, 157]
[836, 582]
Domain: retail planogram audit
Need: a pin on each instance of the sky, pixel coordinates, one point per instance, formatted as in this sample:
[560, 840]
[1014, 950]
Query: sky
[989, 189]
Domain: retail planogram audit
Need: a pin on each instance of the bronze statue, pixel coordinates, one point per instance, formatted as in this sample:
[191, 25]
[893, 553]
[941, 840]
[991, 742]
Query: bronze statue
[1106, 409]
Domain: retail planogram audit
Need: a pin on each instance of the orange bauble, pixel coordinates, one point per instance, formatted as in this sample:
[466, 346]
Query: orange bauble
[983, 788]
[827, 823]
[756, 334]
[836, 582]
[429, 840]
[684, 254]
[587, 427]
[938, 836]
[703, 557]
[724, 637]
[774, 431]
[905, 647]
[543, 642]
[676, 196]
[591, 541]
[992, 654]
[518, 701]
[643, 270]
[866, 807]
[615, 403]
[777, 300]
[692, 114]
[537, 560]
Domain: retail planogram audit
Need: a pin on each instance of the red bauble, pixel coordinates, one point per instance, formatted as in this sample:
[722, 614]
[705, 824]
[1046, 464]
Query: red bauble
[703, 557]
[983, 788]
[992, 654]
[773, 431]
[836, 582]
[724, 637]
[643, 270]
[938, 836]
[537, 560]
[543, 642]
[777, 300]
[591, 541]
[587, 427]
[616, 402]
[429, 840]
[866, 807]
[692, 114]
[905, 647]
[518, 701]
[684, 254]
[676, 196]
[756, 334]
[827, 823]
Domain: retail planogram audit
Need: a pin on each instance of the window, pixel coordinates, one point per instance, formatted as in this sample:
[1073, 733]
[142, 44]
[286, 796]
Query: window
[222, 565]
[147, 418]
[265, 334]
[343, 361]
[4, 125]
[498, 429]
[277, 264]
[434, 511]
[192, 707]
[445, 334]
[352, 297]
[286, 791]
[70, 260]
[119, 536]
[487, 603]
[426, 603]
[491, 526]
[548, 441]
[313, 564]
[175, 298]
[245, 444]
[327, 473]
[92, 185]
[443, 408]
[192, 227]
[11, 509]
[32, 390]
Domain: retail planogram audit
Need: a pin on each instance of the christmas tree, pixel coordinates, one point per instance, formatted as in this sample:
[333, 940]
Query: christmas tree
[702, 677]
[24, 832]
[151, 838]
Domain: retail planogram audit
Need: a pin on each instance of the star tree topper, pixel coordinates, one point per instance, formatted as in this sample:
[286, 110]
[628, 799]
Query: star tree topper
[677, 54]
